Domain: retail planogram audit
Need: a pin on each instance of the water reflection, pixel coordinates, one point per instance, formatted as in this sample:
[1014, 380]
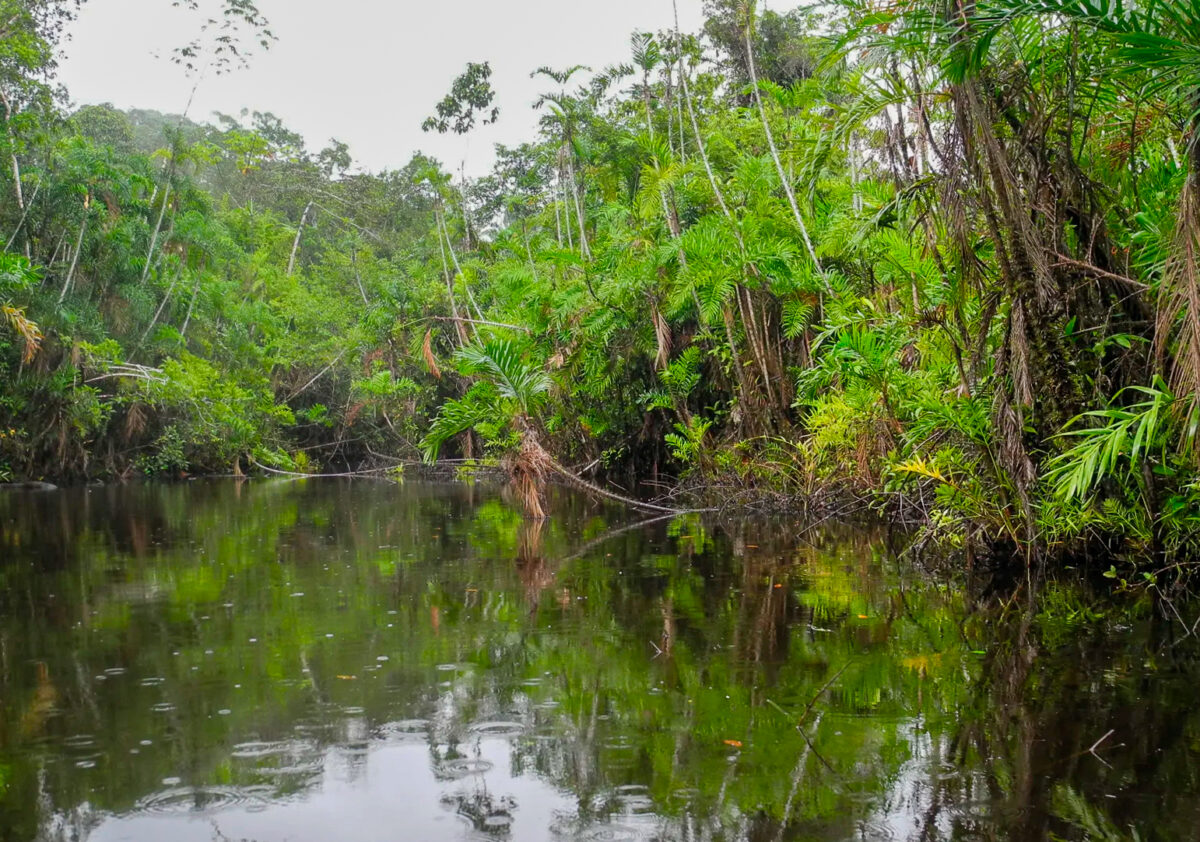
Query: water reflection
[319, 660]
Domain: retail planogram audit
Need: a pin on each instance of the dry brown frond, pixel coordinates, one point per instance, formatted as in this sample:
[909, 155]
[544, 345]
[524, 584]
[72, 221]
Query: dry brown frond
[135, 421]
[371, 358]
[29, 332]
[662, 334]
[1178, 327]
[1019, 343]
[427, 351]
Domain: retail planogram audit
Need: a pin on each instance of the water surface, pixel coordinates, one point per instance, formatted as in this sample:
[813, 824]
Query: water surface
[320, 660]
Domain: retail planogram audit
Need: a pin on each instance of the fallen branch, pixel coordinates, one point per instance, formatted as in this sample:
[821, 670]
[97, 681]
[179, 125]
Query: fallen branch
[131, 371]
[1063, 260]
[298, 475]
[629, 501]
[1096, 745]
[610, 534]
[465, 320]
[319, 375]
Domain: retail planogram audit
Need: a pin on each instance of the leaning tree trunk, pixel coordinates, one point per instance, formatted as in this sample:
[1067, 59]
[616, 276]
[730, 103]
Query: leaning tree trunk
[460, 326]
[157, 229]
[783, 177]
[296, 243]
[75, 257]
[161, 307]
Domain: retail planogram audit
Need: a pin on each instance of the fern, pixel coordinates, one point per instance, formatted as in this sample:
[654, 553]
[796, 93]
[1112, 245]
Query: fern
[797, 315]
[683, 374]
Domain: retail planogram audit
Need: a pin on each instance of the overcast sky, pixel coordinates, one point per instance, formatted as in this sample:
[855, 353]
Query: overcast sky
[364, 71]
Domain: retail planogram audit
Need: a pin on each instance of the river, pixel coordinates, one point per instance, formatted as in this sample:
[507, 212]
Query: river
[322, 660]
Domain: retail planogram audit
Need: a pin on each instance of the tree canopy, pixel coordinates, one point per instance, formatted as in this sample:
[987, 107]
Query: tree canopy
[941, 261]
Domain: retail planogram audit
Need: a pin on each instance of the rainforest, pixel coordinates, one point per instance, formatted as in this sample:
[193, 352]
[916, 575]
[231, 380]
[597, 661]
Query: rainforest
[794, 437]
[935, 262]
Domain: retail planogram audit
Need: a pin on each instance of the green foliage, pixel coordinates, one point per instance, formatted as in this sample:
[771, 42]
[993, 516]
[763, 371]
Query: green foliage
[687, 443]
[887, 282]
[1075, 808]
[501, 363]
[219, 419]
[167, 457]
[1127, 437]
[454, 417]
[470, 95]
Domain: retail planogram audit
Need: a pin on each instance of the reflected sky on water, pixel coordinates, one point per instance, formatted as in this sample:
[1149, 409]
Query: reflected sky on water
[323, 660]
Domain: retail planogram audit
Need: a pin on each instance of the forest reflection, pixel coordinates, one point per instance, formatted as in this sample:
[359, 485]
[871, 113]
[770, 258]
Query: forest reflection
[316, 660]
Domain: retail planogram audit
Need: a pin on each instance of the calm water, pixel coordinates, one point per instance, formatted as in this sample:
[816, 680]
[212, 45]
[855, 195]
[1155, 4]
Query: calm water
[313, 661]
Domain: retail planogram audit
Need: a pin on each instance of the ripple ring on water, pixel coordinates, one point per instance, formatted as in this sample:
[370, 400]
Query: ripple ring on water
[497, 729]
[464, 768]
[611, 833]
[208, 799]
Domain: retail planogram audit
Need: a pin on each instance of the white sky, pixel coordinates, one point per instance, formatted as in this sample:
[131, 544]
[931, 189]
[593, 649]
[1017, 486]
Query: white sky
[364, 71]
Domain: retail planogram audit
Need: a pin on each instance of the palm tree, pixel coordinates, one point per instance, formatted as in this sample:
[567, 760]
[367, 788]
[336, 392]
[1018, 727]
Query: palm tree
[508, 393]
[1156, 47]
[565, 115]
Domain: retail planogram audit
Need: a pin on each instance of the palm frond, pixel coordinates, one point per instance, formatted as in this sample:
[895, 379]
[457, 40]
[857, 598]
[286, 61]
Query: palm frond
[502, 363]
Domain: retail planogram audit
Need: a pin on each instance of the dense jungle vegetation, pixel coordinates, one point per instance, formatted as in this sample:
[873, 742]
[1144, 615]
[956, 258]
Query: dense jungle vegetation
[942, 259]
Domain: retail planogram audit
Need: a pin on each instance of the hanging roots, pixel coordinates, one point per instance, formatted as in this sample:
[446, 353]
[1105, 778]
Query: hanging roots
[527, 471]
[530, 467]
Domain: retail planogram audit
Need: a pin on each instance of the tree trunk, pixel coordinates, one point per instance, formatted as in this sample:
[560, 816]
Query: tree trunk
[296, 243]
[528, 251]
[191, 306]
[755, 339]
[557, 220]
[16, 164]
[157, 229]
[162, 306]
[75, 257]
[460, 328]
[358, 277]
[738, 370]
[566, 212]
[646, 102]
[584, 251]
[687, 96]
[458, 269]
[24, 215]
[787, 184]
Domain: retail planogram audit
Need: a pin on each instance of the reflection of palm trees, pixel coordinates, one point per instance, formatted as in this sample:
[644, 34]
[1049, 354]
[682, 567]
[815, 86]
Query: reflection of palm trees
[536, 574]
